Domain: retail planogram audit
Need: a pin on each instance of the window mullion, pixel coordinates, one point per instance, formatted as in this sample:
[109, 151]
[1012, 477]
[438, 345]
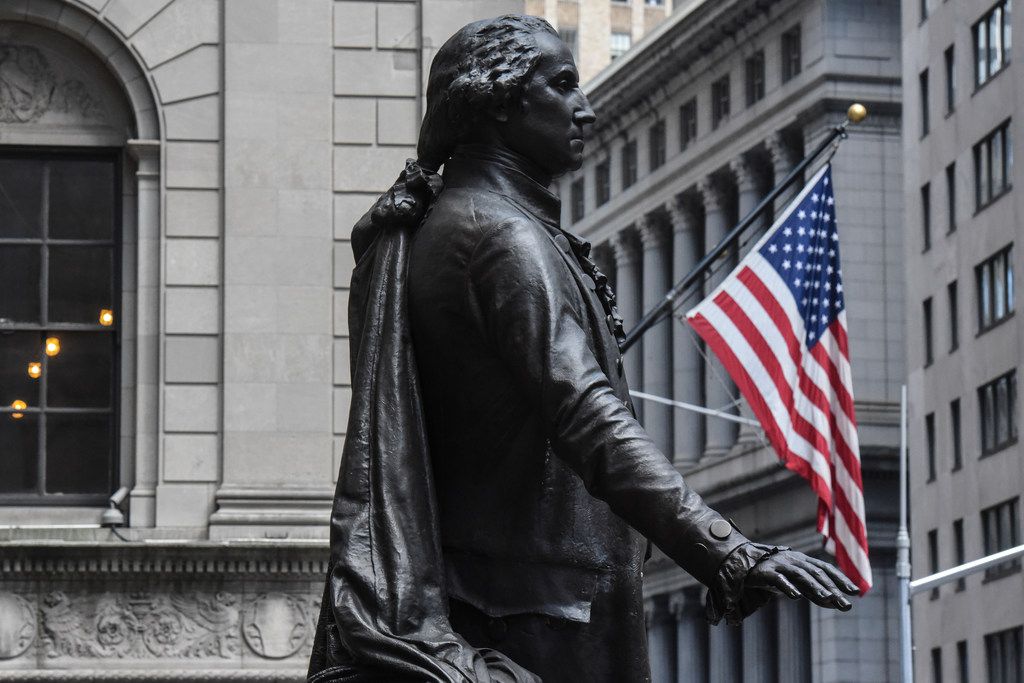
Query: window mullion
[44, 289]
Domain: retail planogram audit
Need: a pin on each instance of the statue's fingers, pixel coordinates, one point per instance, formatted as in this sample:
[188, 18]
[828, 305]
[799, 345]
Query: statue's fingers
[781, 583]
[836, 575]
[826, 582]
[809, 586]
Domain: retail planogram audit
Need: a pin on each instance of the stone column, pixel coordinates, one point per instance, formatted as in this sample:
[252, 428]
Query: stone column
[657, 350]
[747, 196]
[661, 642]
[718, 388]
[687, 426]
[627, 280]
[783, 159]
[146, 332]
[795, 645]
[725, 660]
[759, 653]
[691, 636]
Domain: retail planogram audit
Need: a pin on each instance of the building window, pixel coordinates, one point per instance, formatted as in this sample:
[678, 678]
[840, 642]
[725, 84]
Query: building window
[59, 252]
[958, 548]
[1003, 656]
[936, 663]
[603, 182]
[654, 3]
[620, 42]
[687, 123]
[924, 10]
[577, 198]
[656, 144]
[954, 426]
[994, 278]
[933, 557]
[997, 402]
[962, 663]
[951, 198]
[929, 444]
[790, 53]
[628, 164]
[954, 314]
[719, 101]
[570, 36]
[992, 42]
[926, 322]
[922, 82]
[950, 80]
[755, 77]
[999, 530]
[993, 165]
[926, 216]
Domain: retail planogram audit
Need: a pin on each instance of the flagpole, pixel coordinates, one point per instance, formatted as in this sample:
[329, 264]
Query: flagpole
[903, 556]
[855, 114]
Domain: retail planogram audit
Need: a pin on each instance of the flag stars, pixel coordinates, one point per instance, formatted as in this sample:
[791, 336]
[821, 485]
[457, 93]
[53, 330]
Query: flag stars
[801, 214]
[787, 231]
[830, 201]
[796, 282]
[800, 231]
[815, 198]
[772, 248]
[786, 264]
[787, 247]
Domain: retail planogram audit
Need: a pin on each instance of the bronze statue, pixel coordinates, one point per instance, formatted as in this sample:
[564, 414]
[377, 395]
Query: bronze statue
[496, 492]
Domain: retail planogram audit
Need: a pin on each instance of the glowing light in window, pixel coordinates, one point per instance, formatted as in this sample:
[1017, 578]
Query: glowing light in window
[106, 317]
[18, 405]
[52, 346]
[35, 370]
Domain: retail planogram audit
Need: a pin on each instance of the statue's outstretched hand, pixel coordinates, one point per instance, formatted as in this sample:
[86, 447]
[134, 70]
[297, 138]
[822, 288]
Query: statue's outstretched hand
[796, 575]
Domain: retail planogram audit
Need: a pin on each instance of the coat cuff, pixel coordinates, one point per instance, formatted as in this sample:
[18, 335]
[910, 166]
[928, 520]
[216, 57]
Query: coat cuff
[727, 597]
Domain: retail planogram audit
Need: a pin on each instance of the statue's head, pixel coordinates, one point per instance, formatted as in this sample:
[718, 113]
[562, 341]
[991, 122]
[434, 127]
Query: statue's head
[511, 81]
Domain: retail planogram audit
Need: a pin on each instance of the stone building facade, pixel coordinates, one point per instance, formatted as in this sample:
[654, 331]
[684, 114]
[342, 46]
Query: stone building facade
[695, 124]
[179, 179]
[961, 131]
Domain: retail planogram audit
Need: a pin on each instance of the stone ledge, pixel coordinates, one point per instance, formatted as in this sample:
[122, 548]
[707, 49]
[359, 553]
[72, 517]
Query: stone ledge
[157, 676]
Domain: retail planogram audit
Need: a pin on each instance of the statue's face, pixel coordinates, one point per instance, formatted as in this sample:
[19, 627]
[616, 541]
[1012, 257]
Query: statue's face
[549, 127]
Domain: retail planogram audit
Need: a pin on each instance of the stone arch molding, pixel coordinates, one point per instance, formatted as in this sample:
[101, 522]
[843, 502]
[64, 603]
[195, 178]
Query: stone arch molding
[67, 79]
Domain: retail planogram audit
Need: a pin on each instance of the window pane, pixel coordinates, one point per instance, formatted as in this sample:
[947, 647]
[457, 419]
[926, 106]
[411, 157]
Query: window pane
[988, 418]
[981, 41]
[997, 162]
[80, 283]
[1002, 430]
[19, 283]
[17, 350]
[995, 37]
[77, 453]
[81, 199]
[21, 187]
[80, 375]
[1007, 41]
[998, 288]
[985, 188]
[985, 295]
[1011, 411]
[19, 452]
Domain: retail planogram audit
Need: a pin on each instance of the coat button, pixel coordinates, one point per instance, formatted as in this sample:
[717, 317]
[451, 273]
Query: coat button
[720, 529]
[563, 243]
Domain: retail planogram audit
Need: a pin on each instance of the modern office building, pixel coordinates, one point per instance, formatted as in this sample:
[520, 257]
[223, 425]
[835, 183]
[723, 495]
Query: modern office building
[178, 179]
[962, 95]
[599, 31]
[695, 123]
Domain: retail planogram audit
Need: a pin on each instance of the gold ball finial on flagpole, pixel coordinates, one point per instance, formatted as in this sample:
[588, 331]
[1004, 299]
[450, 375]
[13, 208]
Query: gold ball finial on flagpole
[857, 112]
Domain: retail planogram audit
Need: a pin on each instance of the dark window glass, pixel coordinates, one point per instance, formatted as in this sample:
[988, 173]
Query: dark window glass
[576, 191]
[993, 165]
[926, 215]
[656, 144]
[999, 527]
[933, 557]
[926, 310]
[954, 315]
[19, 283]
[962, 664]
[21, 197]
[929, 444]
[629, 164]
[570, 37]
[994, 279]
[958, 548]
[922, 81]
[755, 77]
[1004, 656]
[954, 425]
[992, 42]
[951, 197]
[936, 665]
[687, 123]
[924, 15]
[790, 53]
[997, 401]
[620, 42]
[58, 284]
[603, 182]
[719, 101]
[950, 79]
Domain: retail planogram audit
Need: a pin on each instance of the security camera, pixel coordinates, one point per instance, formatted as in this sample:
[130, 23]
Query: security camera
[113, 517]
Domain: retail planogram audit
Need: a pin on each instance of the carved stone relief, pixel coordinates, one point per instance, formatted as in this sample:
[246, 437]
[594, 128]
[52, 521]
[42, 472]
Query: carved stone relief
[276, 625]
[17, 625]
[29, 88]
[137, 625]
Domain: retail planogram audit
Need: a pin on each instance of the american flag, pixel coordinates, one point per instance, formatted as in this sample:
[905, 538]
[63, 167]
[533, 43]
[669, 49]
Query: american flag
[778, 325]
